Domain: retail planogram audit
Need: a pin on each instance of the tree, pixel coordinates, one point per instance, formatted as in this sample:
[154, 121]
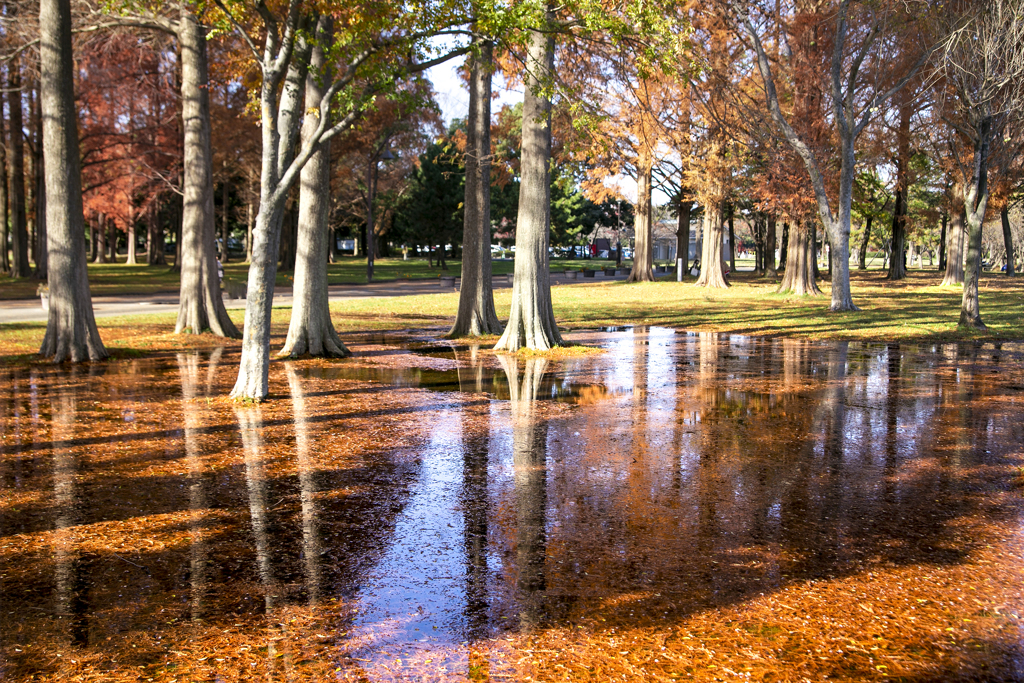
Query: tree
[531, 322]
[200, 306]
[858, 64]
[380, 33]
[71, 332]
[311, 330]
[476, 314]
[983, 71]
[19, 226]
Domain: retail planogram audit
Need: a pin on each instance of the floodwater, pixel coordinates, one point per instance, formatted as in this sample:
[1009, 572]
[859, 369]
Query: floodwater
[680, 506]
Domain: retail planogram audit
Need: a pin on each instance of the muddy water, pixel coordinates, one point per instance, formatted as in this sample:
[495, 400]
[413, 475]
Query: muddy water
[433, 513]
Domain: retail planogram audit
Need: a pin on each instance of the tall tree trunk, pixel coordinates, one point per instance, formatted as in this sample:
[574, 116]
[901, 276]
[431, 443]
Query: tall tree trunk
[201, 305]
[71, 332]
[799, 276]
[683, 233]
[769, 250]
[531, 322]
[954, 274]
[1004, 217]
[898, 245]
[311, 330]
[732, 240]
[19, 224]
[942, 241]
[225, 214]
[5, 244]
[40, 192]
[177, 211]
[130, 236]
[712, 273]
[250, 215]
[975, 202]
[784, 247]
[279, 130]
[643, 234]
[862, 258]
[157, 238]
[476, 315]
[101, 239]
[371, 190]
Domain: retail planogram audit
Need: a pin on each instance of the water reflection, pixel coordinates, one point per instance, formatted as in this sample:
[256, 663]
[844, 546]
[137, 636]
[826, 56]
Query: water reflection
[391, 520]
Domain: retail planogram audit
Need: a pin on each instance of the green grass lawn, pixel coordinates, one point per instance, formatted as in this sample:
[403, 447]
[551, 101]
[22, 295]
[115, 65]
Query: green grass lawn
[915, 309]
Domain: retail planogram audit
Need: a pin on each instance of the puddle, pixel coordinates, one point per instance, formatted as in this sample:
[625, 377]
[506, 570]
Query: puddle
[383, 521]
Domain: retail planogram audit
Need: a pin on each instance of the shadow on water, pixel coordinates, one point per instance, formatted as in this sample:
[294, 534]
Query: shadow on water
[354, 526]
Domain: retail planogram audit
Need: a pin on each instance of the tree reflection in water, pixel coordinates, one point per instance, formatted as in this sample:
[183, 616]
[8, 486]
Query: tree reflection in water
[692, 492]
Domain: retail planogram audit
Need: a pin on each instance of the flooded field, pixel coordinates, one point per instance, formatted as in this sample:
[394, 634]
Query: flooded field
[678, 507]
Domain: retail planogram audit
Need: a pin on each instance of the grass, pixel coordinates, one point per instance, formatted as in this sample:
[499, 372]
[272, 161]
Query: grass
[115, 279]
[915, 309]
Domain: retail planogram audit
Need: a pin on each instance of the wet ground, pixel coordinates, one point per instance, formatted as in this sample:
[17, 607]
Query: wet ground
[678, 507]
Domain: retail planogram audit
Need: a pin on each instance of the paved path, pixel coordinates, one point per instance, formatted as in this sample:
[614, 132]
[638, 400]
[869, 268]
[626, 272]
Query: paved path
[29, 310]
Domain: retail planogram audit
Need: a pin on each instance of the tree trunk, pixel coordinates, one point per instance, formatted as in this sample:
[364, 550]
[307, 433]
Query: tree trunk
[130, 236]
[531, 322]
[38, 166]
[711, 259]
[799, 277]
[942, 241]
[311, 330]
[1004, 217]
[683, 234]
[225, 213]
[769, 249]
[897, 264]
[177, 210]
[975, 203]
[863, 255]
[476, 315]
[5, 261]
[71, 332]
[279, 130]
[732, 240]
[101, 239]
[371, 189]
[250, 214]
[19, 223]
[784, 247]
[201, 305]
[643, 234]
[954, 273]
[157, 239]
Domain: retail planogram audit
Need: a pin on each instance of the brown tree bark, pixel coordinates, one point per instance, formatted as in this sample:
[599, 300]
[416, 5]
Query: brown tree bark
[531, 322]
[71, 333]
[799, 275]
[311, 330]
[201, 306]
[732, 240]
[19, 223]
[643, 233]
[954, 274]
[5, 260]
[1004, 217]
[712, 271]
[769, 249]
[225, 214]
[476, 315]
[39, 196]
[942, 241]
[862, 257]
[683, 234]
